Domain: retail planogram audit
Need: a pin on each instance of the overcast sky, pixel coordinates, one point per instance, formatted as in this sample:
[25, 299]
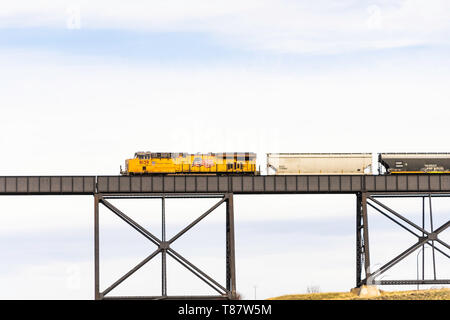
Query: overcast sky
[85, 84]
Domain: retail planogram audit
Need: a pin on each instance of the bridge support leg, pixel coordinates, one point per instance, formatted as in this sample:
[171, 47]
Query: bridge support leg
[362, 239]
[424, 237]
[230, 252]
[359, 243]
[164, 246]
[96, 248]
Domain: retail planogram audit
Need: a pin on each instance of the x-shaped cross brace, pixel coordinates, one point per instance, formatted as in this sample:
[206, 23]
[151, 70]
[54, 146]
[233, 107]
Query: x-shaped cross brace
[427, 237]
[163, 247]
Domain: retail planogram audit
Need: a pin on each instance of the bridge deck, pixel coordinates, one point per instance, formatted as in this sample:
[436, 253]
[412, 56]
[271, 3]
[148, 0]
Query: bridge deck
[295, 184]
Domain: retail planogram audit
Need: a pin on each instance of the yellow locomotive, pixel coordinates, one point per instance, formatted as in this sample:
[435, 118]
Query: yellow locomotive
[145, 163]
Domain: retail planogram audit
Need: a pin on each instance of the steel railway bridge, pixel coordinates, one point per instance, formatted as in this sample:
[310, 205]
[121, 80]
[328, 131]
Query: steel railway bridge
[369, 191]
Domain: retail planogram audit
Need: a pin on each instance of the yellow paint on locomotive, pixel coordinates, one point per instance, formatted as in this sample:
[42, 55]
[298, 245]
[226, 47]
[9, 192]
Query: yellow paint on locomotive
[183, 163]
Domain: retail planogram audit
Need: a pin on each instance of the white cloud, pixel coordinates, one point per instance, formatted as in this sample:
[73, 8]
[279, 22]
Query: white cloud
[105, 112]
[279, 26]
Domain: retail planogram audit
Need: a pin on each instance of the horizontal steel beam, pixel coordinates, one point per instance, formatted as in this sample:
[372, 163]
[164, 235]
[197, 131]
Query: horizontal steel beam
[412, 282]
[194, 184]
[215, 297]
[145, 195]
[275, 184]
[48, 185]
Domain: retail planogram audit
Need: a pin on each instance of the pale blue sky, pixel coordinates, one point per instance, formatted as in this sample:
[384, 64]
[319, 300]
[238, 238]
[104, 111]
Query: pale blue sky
[201, 49]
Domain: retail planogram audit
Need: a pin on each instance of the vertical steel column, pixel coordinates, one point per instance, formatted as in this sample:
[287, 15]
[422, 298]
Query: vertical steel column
[365, 235]
[423, 235]
[163, 251]
[96, 248]
[432, 241]
[358, 240]
[230, 252]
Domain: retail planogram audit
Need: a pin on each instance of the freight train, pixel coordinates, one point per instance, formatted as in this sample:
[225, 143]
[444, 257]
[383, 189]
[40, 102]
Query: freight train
[244, 163]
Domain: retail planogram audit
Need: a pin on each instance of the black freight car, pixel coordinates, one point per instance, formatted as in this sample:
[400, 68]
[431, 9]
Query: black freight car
[415, 162]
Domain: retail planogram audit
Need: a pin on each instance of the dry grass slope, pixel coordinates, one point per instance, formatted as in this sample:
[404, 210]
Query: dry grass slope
[432, 294]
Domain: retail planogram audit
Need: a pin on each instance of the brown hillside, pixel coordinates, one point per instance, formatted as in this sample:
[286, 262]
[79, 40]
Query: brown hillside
[431, 294]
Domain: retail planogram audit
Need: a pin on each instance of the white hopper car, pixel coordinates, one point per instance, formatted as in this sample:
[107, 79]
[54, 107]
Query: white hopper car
[319, 163]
